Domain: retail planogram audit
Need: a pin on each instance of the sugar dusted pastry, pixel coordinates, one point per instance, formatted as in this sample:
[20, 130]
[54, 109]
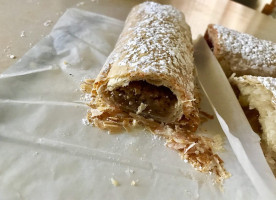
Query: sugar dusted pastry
[149, 80]
[241, 53]
[260, 93]
[151, 70]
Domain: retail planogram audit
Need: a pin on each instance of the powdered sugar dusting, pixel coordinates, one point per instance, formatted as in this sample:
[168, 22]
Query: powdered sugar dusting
[247, 53]
[155, 39]
[270, 84]
[152, 47]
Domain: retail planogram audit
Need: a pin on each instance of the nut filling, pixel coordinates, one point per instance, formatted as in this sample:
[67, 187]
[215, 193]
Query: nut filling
[143, 98]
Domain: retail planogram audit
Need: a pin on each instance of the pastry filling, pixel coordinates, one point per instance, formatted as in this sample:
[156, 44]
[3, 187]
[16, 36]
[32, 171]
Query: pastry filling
[253, 117]
[251, 114]
[145, 99]
[209, 41]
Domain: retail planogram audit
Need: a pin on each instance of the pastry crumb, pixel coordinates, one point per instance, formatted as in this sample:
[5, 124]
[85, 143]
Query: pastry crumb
[114, 182]
[48, 22]
[133, 183]
[11, 56]
[22, 34]
[85, 122]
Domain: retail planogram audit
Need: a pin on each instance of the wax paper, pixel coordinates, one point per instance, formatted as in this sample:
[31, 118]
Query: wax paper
[46, 152]
[244, 141]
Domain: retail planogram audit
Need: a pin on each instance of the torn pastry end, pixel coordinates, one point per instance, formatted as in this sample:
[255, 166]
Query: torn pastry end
[195, 149]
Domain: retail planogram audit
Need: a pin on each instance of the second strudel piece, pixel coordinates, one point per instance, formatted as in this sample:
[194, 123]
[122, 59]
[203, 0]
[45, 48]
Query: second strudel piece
[241, 53]
[259, 94]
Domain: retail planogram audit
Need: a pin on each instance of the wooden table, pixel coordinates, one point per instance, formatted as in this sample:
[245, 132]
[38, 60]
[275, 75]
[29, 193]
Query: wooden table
[23, 23]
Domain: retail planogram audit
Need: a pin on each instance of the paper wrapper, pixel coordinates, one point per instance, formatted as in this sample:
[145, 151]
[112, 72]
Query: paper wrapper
[48, 153]
[245, 143]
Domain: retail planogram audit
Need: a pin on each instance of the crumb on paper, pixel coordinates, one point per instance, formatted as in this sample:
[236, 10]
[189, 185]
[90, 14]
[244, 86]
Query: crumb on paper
[114, 182]
[156, 137]
[22, 34]
[80, 4]
[66, 63]
[133, 183]
[11, 56]
[85, 122]
[48, 22]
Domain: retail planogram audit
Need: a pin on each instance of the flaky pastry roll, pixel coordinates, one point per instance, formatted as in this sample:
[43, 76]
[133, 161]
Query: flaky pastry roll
[149, 81]
[241, 53]
[257, 95]
[150, 72]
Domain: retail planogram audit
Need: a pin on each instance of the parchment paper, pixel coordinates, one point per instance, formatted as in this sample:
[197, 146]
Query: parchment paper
[245, 142]
[47, 153]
